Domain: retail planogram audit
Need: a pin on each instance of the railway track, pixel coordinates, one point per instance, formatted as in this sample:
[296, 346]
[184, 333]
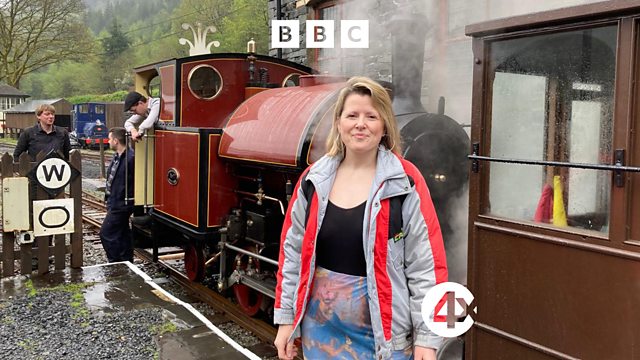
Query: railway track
[93, 210]
[172, 263]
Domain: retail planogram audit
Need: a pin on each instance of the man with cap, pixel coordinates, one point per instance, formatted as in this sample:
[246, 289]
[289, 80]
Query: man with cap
[145, 114]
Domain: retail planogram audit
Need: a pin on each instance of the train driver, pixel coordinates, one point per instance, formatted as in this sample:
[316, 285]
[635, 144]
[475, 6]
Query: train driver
[145, 114]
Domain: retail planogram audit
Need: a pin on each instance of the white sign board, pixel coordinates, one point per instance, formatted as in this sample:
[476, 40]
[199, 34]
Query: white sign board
[15, 199]
[53, 173]
[53, 217]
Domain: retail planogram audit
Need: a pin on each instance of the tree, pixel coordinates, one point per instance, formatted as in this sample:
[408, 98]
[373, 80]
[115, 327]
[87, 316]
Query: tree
[248, 19]
[37, 33]
[116, 43]
[115, 62]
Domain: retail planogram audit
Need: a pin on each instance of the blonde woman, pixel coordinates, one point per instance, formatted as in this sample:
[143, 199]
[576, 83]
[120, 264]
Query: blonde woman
[361, 244]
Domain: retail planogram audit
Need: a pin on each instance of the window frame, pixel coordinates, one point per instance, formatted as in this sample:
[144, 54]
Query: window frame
[621, 201]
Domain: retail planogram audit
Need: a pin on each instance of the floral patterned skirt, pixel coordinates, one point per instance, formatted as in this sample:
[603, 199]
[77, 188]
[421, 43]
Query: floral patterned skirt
[337, 323]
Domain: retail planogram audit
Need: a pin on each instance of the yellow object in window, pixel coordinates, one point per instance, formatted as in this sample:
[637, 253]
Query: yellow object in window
[559, 214]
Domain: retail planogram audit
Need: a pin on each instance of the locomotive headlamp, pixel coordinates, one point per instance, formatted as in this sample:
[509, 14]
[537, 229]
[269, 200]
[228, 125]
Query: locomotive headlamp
[251, 46]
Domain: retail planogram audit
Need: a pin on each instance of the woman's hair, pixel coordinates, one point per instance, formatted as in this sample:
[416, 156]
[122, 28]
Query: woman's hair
[45, 107]
[381, 102]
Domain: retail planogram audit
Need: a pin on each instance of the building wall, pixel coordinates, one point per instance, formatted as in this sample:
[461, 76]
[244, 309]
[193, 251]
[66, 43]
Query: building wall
[25, 120]
[114, 114]
[448, 56]
[20, 120]
[7, 102]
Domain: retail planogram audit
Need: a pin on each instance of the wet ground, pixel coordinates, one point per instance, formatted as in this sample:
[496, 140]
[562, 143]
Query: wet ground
[100, 312]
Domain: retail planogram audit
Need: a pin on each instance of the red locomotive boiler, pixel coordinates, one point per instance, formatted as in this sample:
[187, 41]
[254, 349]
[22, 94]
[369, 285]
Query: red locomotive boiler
[238, 131]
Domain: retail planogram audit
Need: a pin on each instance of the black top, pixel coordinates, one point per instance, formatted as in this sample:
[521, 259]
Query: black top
[120, 178]
[340, 245]
[34, 139]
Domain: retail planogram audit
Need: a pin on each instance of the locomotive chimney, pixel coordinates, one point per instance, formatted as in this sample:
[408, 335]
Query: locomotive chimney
[408, 36]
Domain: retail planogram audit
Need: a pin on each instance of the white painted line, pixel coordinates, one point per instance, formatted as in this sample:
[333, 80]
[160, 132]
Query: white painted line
[246, 352]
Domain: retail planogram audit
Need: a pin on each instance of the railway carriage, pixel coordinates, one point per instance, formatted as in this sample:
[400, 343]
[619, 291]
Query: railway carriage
[554, 245]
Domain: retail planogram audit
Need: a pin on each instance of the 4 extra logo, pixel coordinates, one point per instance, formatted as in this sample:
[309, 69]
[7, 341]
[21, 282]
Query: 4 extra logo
[447, 309]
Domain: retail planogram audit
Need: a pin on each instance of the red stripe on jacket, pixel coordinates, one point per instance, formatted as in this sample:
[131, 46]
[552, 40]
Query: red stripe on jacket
[285, 229]
[308, 247]
[380, 254]
[431, 219]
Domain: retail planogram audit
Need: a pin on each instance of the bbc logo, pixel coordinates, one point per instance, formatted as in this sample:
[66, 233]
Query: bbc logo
[285, 34]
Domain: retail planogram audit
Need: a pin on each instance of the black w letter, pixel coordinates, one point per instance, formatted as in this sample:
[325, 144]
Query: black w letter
[48, 174]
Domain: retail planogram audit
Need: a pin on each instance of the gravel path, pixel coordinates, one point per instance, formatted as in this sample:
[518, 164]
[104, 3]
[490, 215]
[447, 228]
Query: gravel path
[54, 324]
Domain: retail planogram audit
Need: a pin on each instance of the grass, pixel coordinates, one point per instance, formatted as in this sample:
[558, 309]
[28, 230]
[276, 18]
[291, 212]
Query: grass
[77, 299]
[28, 345]
[77, 296]
[13, 142]
[8, 320]
[31, 290]
[164, 328]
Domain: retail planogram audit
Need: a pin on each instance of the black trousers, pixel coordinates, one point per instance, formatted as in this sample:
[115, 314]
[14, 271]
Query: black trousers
[115, 236]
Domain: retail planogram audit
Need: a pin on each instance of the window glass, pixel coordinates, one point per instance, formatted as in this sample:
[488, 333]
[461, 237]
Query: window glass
[205, 82]
[99, 109]
[83, 108]
[154, 87]
[552, 100]
[291, 80]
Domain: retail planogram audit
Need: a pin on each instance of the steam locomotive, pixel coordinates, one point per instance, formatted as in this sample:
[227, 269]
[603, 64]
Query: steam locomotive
[236, 132]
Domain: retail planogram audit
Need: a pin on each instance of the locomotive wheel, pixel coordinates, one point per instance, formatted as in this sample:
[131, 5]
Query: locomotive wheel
[249, 299]
[194, 262]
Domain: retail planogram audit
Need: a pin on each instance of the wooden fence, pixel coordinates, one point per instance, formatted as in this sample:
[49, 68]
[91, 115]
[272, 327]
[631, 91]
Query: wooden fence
[43, 247]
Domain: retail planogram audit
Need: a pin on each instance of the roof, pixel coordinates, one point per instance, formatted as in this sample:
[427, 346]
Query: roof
[30, 106]
[10, 91]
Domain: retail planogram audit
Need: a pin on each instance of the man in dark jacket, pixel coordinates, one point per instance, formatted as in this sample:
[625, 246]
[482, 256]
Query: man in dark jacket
[115, 234]
[44, 136]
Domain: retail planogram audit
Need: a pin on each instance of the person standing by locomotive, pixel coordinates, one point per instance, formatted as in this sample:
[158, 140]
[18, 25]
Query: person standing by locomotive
[43, 136]
[363, 201]
[115, 233]
[145, 111]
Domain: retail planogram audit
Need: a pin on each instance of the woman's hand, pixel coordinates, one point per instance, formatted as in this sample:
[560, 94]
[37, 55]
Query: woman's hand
[423, 353]
[286, 350]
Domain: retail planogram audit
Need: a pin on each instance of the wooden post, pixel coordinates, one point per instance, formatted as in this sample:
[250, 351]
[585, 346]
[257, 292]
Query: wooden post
[24, 166]
[8, 238]
[76, 193]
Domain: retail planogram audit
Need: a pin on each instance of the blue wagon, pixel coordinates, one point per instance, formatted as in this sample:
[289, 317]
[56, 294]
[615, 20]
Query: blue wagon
[89, 124]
